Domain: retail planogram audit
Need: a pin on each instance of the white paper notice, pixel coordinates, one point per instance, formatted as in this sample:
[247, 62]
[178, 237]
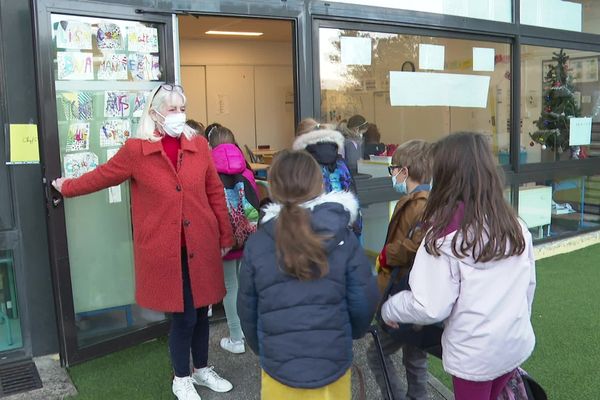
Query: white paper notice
[431, 56]
[438, 89]
[223, 104]
[580, 131]
[355, 50]
[114, 192]
[483, 59]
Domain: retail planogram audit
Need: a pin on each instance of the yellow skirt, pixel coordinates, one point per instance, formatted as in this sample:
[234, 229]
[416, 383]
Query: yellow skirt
[274, 390]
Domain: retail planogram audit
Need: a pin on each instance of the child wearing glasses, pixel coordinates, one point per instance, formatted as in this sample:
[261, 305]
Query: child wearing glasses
[411, 176]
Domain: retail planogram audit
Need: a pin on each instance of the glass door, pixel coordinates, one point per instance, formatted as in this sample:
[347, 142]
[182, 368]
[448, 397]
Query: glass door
[102, 71]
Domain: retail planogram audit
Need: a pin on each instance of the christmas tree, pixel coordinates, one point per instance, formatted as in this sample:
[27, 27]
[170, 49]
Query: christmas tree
[558, 106]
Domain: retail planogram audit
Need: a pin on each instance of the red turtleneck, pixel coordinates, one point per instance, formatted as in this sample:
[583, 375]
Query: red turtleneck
[171, 146]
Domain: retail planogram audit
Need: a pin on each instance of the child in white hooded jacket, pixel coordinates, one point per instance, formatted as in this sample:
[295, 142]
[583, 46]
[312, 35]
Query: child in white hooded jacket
[475, 270]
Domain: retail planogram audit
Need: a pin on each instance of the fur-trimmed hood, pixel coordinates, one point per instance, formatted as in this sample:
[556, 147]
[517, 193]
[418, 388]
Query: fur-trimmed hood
[345, 199]
[319, 136]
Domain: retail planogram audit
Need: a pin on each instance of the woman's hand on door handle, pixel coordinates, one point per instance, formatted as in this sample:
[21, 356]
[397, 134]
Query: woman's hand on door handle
[57, 184]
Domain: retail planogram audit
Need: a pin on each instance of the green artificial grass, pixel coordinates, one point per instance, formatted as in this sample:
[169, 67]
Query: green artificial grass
[566, 321]
[140, 371]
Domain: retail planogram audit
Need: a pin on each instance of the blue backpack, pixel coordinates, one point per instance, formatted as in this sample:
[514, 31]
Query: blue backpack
[338, 180]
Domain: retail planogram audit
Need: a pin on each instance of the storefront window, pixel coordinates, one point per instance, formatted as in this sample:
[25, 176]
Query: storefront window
[104, 71]
[560, 104]
[495, 10]
[552, 208]
[10, 321]
[416, 87]
[571, 15]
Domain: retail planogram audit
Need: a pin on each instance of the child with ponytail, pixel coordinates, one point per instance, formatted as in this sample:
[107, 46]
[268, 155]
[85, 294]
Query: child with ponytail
[306, 287]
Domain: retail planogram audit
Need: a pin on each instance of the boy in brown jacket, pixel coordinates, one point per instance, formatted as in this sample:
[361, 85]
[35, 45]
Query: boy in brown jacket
[411, 176]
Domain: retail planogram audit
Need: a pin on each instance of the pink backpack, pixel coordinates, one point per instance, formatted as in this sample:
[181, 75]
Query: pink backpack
[522, 387]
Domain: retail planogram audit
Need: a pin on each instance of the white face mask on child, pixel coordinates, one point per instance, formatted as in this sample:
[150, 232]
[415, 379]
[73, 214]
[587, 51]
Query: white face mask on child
[173, 124]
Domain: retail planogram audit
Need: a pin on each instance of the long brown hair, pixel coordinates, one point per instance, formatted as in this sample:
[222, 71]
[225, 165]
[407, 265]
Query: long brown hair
[294, 178]
[464, 171]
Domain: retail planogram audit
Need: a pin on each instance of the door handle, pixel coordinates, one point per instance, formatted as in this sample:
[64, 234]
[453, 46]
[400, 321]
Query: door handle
[51, 198]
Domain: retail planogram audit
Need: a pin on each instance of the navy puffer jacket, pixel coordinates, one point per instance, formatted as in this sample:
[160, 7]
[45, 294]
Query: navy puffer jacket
[303, 330]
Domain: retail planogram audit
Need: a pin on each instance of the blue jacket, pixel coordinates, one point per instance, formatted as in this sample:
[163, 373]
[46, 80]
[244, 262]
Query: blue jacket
[303, 330]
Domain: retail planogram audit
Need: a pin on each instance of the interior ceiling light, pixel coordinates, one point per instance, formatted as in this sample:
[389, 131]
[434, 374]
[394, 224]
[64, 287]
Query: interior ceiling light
[233, 33]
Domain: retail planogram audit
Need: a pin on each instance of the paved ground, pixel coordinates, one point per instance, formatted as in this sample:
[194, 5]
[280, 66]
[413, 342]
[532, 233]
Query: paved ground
[242, 370]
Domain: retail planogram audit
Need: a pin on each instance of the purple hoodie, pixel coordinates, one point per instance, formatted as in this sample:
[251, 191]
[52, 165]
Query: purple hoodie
[228, 159]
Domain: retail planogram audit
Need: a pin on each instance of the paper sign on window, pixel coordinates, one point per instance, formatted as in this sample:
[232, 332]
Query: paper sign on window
[431, 57]
[24, 148]
[483, 59]
[355, 50]
[438, 89]
[580, 131]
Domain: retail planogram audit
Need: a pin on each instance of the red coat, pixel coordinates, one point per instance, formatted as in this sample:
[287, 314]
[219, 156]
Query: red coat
[162, 201]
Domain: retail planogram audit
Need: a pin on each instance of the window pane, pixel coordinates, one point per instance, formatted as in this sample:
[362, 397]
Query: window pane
[552, 208]
[10, 321]
[556, 88]
[572, 15]
[457, 85]
[104, 70]
[496, 10]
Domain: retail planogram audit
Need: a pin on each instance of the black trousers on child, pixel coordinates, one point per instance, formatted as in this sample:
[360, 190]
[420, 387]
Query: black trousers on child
[189, 330]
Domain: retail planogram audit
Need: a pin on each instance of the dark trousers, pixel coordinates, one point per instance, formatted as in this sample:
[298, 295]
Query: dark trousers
[189, 330]
[415, 363]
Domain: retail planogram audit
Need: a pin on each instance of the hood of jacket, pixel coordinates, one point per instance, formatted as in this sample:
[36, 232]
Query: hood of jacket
[331, 215]
[229, 159]
[319, 136]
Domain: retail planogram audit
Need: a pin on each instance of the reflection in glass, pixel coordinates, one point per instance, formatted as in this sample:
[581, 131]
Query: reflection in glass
[560, 104]
[571, 15]
[474, 94]
[552, 208]
[498, 10]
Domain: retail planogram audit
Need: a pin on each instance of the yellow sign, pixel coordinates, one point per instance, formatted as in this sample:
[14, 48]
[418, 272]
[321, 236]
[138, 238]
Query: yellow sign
[24, 148]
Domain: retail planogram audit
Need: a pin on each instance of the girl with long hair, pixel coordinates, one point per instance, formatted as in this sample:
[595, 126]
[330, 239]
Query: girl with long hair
[474, 270]
[306, 287]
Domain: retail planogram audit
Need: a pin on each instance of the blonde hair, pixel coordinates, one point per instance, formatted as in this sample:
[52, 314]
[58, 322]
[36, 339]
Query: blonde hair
[415, 155]
[157, 99]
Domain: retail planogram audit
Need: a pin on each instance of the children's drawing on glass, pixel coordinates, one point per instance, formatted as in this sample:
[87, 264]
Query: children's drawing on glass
[75, 66]
[138, 103]
[144, 66]
[109, 36]
[114, 132]
[116, 104]
[142, 39]
[113, 67]
[77, 164]
[78, 137]
[73, 35]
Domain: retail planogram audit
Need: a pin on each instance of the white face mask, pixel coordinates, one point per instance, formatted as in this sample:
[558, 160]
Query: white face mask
[173, 124]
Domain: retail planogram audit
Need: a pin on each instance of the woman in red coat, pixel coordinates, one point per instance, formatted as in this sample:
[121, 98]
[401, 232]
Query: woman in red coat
[181, 229]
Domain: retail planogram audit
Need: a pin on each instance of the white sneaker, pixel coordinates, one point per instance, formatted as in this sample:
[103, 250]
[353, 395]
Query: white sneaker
[233, 346]
[209, 378]
[184, 388]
